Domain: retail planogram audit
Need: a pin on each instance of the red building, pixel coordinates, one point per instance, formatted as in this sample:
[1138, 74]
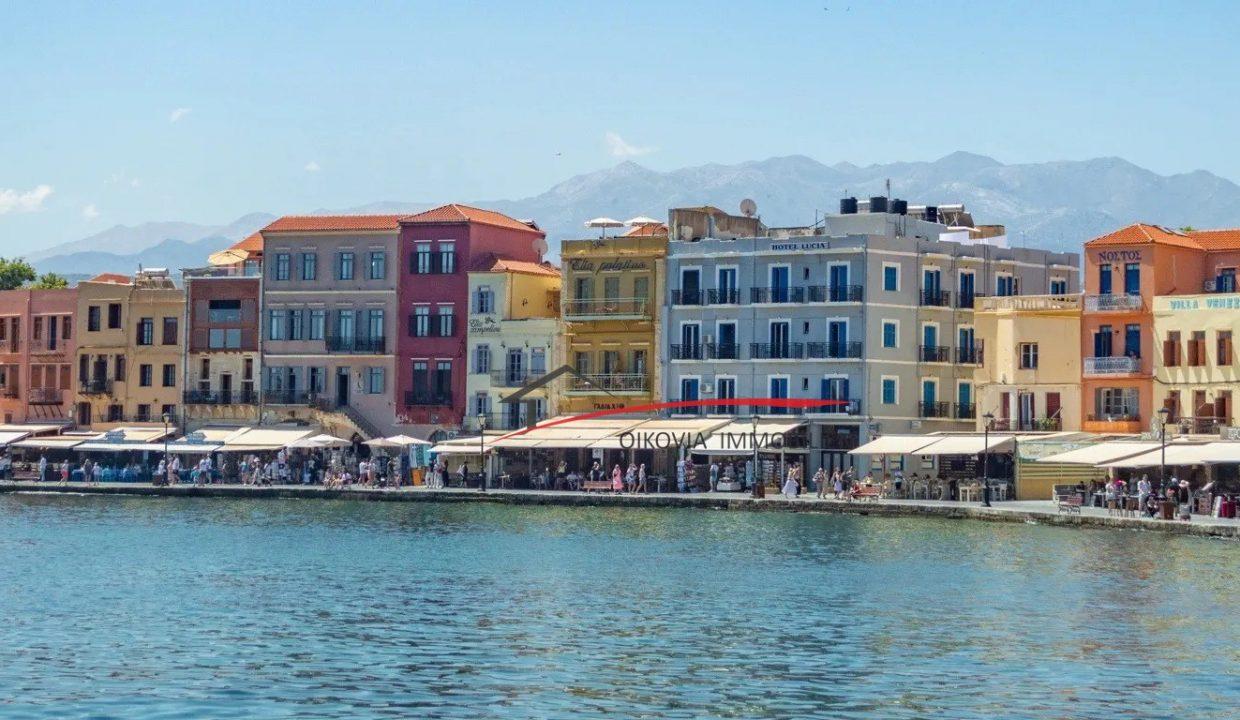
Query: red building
[438, 247]
[37, 344]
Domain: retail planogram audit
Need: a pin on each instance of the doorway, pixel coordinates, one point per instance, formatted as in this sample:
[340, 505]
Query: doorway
[342, 386]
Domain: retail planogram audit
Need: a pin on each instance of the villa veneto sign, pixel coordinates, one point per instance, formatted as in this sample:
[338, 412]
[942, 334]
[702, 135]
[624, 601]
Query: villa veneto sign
[607, 265]
[1227, 302]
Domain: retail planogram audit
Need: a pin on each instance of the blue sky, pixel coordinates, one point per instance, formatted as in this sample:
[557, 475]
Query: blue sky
[129, 112]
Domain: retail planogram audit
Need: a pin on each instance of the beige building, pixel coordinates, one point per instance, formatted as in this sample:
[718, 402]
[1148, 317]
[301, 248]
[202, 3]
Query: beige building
[1030, 375]
[513, 339]
[129, 349]
[1195, 369]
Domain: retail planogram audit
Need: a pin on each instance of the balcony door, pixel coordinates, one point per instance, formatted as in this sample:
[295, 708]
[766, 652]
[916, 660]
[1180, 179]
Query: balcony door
[779, 339]
[1025, 410]
[1103, 341]
[965, 338]
[690, 341]
[837, 338]
[781, 278]
[837, 276]
[725, 344]
[834, 389]
[964, 398]
[342, 386]
[226, 388]
[968, 289]
[779, 391]
[726, 284]
[929, 393]
[690, 286]
[1104, 279]
[514, 366]
[689, 391]
[932, 282]
[930, 337]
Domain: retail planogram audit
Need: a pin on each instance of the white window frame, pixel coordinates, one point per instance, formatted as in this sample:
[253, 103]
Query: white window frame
[1020, 355]
[882, 379]
[1004, 274]
[882, 278]
[921, 386]
[839, 263]
[882, 335]
[680, 385]
[938, 332]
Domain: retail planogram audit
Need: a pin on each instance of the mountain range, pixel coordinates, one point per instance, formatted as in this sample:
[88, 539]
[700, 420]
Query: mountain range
[1052, 205]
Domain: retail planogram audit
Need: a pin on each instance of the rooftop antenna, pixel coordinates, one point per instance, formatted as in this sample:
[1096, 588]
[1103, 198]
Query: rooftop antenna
[888, 188]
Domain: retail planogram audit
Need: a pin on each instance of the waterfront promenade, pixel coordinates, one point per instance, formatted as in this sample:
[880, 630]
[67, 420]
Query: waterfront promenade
[1026, 511]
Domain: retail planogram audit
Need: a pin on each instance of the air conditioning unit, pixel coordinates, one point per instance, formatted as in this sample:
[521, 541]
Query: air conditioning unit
[452, 434]
[709, 339]
[707, 388]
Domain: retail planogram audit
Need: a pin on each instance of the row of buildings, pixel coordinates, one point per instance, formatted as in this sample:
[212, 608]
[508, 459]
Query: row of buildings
[915, 318]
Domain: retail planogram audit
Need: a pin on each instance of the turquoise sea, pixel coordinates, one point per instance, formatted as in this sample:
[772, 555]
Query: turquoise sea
[207, 608]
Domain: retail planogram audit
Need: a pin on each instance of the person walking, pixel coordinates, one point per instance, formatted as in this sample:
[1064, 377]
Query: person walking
[714, 475]
[792, 478]
[837, 483]
[42, 468]
[790, 485]
[820, 483]
[617, 479]
[641, 478]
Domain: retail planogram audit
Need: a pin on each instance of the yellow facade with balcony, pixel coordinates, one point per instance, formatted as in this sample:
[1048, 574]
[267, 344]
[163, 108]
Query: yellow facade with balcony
[1196, 375]
[612, 295]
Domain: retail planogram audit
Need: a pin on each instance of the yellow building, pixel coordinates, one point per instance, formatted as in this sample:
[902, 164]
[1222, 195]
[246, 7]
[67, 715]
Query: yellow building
[1030, 375]
[513, 339]
[611, 305]
[129, 349]
[1195, 371]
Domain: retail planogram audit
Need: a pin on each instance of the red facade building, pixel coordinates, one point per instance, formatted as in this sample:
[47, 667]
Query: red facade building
[438, 247]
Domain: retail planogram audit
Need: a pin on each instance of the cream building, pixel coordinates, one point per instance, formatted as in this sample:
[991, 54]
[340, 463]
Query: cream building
[1195, 371]
[513, 333]
[129, 349]
[1030, 375]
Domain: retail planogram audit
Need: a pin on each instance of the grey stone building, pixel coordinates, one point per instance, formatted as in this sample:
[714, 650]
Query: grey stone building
[872, 308]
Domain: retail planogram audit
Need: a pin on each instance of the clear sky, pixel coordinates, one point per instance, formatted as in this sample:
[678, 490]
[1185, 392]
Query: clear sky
[125, 112]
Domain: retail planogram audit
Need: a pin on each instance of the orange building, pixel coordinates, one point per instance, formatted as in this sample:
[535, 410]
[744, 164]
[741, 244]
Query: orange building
[1123, 273]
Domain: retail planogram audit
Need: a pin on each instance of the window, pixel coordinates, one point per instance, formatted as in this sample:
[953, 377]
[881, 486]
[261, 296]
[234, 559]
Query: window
[119, 368]
[447, 258]
[144, 413]
[170, 375]
[891, 278]
[309, 266]
[1132, 340]
[1029, 356]
[146, 331]
[1223, 343]
[374, 380]
[1059, 286]
[344, 266]
[581, 363]
[92, 318]
[378, 265]
[294, 324]
[1171, 349]
[36, 330]
[145, 374]
[1116, 402]
[443, 380]
[482, 359]
[583, 288]
[344, 324]
[420, 261]
[447, 328]
[114, 316]
[1132, 279]
[224, 339]
[891, 390]
[891, 334]
[374, 323]
[66, 327]
[421, 322]
[280, 270]
[1197, 349]
[318, 324]
[169, 410]
[538, 361]
[224, 311]
[1104, 279]
[641, 288]
[484, 300]
[170, 331]
[611, 288]
[1005, 285]
[277, 324]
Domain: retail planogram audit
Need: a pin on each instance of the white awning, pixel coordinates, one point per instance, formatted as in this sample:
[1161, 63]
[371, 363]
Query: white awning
[193, 447]
[457, 449]
[10, 437]
[969, 445]
[1101, 453]
[664, 433]
[121, 447]
[269, 438]
[1179, 454]
[895, 445]
[738, 437]
[54, 442]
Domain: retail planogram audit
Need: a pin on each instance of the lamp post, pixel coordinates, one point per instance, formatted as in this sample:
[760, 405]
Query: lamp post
[987, 419]
[1164, 414]
[481, 451]
[167, 465]
[755, 489]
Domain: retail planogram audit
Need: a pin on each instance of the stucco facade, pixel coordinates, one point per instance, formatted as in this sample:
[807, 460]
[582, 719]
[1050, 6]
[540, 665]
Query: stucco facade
[223, 366]
[1029, 378]
[1195, 370]
[129, 349]
[37, 353]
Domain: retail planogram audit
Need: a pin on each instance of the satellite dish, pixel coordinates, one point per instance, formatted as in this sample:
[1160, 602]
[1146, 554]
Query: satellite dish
[540, 246]
[748, 207]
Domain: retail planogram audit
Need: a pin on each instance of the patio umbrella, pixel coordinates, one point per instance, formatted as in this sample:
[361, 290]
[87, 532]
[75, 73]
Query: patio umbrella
[642, 220]
[330, 441]
[405, 441]
[604, 223]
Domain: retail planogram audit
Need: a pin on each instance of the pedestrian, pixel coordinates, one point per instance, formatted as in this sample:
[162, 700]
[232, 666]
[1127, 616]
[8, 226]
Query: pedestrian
[790, 485]
[64, 472]
[641, 478]
[1184, 497]
[97, 473]
[792, 478]
[714, 476]
[837, 483]
[617, 479]
[820, 483]
[42, 468]
[630, 478]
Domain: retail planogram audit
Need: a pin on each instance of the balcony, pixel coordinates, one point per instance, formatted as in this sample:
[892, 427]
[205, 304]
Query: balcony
[834, 293]
[426, 397]
[687, 297]
[501, 421]
[239, 270]
[966, 301]
[46, 396]
[1119, 422]
[288, 397]
[607, 309]
[1029, 303]
[936, 298]
[1051, 424]
[610, 382]
[934, 409]
[723, 297]
[1220, 284]
[965, 411]
[1121, 365]
[9, 393]
[1113, 303]
[850, 407]
[969, 355]
[933, 353]
[509, 377]
[96, 386]
[359, 345]
[850, 350]
[776, 351]
[723, 351]
[686, 352]
[220, 397]
[777, 295]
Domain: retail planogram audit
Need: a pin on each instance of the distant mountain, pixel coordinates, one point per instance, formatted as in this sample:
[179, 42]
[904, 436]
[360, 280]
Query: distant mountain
[1053, 205]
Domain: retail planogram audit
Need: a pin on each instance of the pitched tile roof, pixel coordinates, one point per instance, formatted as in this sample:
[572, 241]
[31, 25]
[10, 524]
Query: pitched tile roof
[1223, 239]
[338, 223]
[112, 278]
[523, 266]
[1144, 234]
[251, 244]
[456, 213]
[657, 230]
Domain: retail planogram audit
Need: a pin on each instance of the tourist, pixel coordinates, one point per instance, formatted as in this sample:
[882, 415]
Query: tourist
[837, 483]
[790, 485]
[641, 478]
[630, 478]
[820, 483]
[42, 468]
[714, 476]
[64, 472]
[462, 473]
[792, 478]
[1109, 491]
[617, 479]
[96, 473]
[1184, 498]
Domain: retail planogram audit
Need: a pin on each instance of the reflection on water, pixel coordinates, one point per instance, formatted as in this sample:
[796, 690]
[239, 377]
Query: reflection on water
[128, 607]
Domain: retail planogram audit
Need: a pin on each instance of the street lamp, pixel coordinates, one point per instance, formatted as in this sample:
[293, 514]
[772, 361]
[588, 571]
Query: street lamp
[987, 419]
[1164, 414]
[482, 452]
[755, 489]
[167, 466]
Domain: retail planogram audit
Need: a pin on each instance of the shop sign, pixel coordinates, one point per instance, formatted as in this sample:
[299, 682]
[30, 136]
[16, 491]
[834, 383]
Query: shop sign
[483, 325]
[590, 266]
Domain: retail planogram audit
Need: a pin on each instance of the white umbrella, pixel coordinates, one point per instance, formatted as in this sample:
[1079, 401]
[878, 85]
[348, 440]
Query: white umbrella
[330, 441]
[642, 220]
[604, 223]
[405, 441]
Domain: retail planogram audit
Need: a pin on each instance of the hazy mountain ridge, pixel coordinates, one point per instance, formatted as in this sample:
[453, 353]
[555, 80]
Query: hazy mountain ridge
[1056, 205]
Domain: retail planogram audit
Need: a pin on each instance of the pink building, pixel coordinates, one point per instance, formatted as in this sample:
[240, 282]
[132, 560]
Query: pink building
[37, 346]
[438, 248]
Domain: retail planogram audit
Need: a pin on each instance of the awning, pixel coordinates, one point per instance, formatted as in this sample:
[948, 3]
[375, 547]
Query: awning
[968, 445]
[10, 437]
[895, 445]
[738, 437]
[1101, 453]
[54, 442]
[567, 434]
[258, 439]
[458, 449]
[663, 432]
[30, 429]
[1180, 454]
[193, 447]
[121, 447]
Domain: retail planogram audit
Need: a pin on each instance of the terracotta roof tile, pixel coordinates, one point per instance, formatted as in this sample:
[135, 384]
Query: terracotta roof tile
[251, 244]
[112, 278]
[658, 230]
[1223, 239]
[456, 213]
[337, 223]
[1144, 234]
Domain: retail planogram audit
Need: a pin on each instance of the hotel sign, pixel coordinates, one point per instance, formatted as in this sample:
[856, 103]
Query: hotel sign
[1119, 255]
[801, 246]
[607, 265]
[1223, 302]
